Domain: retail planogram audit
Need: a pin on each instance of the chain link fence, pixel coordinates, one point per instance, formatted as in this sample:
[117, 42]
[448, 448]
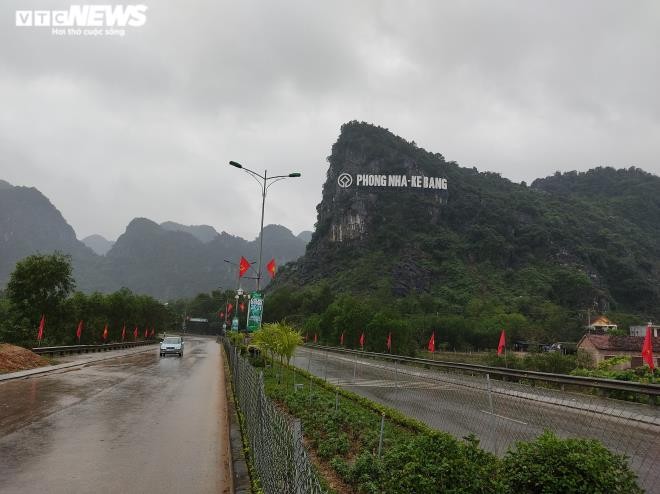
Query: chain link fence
[275, 440]
[498, 412]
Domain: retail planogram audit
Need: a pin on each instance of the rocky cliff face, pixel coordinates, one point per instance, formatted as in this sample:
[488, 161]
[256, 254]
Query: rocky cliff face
[369, 170]
[378, 185]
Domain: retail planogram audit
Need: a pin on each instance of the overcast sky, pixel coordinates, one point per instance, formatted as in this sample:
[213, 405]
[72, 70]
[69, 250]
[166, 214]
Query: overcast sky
[112, 128]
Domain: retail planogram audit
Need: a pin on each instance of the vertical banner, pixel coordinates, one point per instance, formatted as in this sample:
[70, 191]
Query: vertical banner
[254, 311]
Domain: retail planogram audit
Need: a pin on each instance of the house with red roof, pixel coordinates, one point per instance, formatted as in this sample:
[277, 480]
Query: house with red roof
[603, 346]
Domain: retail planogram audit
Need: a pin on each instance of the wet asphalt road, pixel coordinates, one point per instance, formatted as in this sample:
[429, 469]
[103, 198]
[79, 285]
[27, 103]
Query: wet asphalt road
[134, 424]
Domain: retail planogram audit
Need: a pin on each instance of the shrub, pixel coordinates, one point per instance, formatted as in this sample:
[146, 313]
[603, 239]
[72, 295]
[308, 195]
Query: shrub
[236, 338]
[437, 462]
[566, 466]
[277, 339]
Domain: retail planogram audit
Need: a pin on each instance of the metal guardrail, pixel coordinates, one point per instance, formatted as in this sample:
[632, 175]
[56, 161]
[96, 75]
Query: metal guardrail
[652, 390]
[67, 349]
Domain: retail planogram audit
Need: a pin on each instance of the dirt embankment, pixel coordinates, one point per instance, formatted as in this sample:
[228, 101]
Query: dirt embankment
[15, 358]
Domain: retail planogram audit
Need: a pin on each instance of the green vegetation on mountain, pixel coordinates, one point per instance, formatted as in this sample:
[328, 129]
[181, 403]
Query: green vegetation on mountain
[489, 255]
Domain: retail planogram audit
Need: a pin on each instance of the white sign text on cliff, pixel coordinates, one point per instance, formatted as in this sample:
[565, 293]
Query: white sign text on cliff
[346, 180]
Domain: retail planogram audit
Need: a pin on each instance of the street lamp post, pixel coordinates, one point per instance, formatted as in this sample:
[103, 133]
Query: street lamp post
[237, 314]
[239, 291]
[226, 299]
[247, 311]
[264, 182]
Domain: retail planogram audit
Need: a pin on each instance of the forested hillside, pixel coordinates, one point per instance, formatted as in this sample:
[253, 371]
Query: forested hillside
[483, 255]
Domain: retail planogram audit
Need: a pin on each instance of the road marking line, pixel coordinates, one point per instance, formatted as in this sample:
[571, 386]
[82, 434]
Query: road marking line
[375, 383]
[505, 418]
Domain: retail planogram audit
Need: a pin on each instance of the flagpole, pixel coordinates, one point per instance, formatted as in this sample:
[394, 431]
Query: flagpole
[40, 333]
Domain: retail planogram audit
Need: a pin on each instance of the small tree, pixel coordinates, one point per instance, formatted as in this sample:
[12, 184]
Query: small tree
[289, 339]
[277, 339]
[38, 285]
[266, 339]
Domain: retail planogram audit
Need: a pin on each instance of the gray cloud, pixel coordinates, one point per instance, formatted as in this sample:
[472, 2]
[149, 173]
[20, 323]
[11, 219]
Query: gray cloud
[113, 128]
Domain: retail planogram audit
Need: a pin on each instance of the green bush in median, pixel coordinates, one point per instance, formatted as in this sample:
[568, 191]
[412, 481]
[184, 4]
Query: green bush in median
[551, 465]
[431, 463]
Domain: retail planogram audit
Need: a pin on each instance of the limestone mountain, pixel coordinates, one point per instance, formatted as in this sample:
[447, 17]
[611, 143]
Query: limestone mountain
[395, 220]
[170, 264]
[98, 243]
[29, 223]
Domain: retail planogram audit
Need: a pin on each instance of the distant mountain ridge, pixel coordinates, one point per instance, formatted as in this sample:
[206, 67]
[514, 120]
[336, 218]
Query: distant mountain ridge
[99, 244]
[165, 261]
[305, 236]
[203, 233]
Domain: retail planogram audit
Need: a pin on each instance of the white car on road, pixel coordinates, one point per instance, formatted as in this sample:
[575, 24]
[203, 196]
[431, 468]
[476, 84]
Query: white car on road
[171, 344]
